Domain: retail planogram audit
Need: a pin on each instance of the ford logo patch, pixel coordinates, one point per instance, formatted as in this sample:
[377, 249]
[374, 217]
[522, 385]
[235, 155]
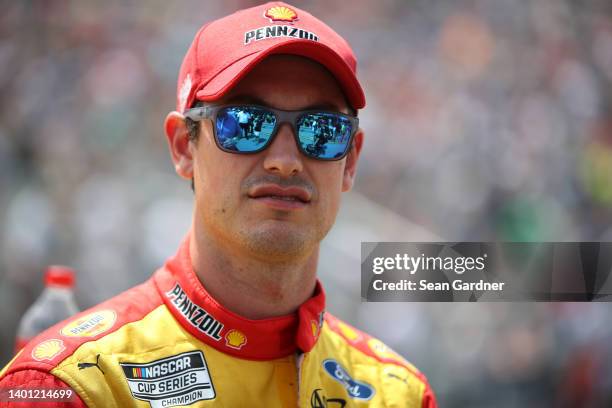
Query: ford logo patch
[355, 389]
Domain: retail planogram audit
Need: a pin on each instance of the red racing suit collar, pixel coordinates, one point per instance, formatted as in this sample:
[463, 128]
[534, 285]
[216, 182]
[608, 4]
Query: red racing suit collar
[200, 314]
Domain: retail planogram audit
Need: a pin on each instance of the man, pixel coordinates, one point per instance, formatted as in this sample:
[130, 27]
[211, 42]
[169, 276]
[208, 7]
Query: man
[237, 317]
[244, 120]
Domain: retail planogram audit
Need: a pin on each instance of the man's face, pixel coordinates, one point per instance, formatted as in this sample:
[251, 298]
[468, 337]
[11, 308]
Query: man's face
[237, 197]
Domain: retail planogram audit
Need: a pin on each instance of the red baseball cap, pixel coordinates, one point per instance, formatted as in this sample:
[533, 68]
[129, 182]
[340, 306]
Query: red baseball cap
[225, 50]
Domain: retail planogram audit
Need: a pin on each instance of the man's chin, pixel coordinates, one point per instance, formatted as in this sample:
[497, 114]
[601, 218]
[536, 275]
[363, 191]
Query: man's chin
[279, 240]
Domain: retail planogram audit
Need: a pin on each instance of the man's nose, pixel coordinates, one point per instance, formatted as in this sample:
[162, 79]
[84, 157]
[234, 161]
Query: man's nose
[283, 156]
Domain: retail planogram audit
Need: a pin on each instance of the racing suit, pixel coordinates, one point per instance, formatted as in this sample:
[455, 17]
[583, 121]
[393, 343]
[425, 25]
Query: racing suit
[168, 343]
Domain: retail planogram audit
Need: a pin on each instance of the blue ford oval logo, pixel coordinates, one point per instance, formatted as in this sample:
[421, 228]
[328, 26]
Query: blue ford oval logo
[355, 389]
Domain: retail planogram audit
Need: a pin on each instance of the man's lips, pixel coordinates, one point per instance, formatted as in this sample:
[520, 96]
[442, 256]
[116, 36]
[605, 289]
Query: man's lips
[283, 197]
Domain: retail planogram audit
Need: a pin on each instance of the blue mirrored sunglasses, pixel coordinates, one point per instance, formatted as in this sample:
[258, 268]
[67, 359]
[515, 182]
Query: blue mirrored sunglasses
[247, 129]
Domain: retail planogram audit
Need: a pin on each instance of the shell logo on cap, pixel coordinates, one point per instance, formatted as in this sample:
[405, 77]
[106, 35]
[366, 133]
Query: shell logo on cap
[281, 13]
[235, 339]
[90, 325]
[48, 349]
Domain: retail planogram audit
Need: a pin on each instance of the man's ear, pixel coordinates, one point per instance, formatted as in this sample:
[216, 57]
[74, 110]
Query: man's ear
[351, 161]
[179, 144]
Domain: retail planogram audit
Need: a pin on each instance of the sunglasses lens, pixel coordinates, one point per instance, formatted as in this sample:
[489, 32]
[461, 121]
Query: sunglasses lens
[324, 136]
[244, 129]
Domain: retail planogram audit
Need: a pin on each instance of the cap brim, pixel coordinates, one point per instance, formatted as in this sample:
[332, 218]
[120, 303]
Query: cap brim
[321, 53]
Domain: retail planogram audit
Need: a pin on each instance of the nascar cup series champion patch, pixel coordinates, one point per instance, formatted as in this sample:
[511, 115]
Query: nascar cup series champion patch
[177, 380]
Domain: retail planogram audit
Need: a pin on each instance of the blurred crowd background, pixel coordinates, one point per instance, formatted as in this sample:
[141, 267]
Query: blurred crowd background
[486, 120]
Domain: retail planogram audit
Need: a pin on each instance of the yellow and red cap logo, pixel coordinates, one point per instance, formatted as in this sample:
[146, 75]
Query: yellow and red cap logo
[281, 13]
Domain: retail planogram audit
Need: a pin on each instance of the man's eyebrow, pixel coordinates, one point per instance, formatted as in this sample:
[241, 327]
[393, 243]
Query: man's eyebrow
[254, 100]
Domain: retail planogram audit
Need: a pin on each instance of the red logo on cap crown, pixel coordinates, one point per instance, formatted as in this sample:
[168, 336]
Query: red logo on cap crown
[281, 13]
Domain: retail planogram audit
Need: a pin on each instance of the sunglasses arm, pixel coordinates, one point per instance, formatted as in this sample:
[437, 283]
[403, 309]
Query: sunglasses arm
[199, 113]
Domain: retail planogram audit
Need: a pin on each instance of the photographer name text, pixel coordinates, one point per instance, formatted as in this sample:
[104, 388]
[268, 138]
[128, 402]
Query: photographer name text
[411, 265]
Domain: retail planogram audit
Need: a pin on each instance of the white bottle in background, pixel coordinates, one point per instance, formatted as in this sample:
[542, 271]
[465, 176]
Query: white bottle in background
[54, 304]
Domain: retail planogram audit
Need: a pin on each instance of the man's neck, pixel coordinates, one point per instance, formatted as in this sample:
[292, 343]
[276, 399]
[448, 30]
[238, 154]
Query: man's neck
[250, 287]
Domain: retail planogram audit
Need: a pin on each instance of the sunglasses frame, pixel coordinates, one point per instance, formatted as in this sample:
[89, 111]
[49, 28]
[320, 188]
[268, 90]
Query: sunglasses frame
[282, 116]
